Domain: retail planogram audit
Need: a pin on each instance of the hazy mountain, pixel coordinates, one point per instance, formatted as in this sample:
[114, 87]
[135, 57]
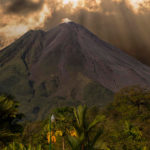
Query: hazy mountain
[66, 65]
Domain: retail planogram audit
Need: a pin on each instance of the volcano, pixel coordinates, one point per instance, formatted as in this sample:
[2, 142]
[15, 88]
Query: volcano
[67, 65]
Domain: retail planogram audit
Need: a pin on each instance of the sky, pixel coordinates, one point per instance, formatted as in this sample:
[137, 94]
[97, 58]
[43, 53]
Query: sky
[123, 23]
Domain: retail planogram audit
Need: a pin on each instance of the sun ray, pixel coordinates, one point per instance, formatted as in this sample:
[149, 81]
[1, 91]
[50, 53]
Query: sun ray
[78, 3]
[73, 2]
[135, 3]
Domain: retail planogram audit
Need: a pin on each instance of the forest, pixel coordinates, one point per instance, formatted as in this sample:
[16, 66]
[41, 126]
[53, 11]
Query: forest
[124, 124]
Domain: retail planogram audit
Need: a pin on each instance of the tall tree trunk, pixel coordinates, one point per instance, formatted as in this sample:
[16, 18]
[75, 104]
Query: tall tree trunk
[82, 146]
[63, 143]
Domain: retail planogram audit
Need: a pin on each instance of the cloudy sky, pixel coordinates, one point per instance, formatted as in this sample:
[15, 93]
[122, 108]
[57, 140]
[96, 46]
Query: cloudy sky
[123, 23]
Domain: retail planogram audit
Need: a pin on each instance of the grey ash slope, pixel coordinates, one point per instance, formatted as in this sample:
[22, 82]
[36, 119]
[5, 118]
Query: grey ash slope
[66, 65]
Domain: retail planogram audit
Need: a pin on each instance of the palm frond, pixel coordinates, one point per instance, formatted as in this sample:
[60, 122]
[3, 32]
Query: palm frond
[74, 143]
[97, 120]
[98, 134]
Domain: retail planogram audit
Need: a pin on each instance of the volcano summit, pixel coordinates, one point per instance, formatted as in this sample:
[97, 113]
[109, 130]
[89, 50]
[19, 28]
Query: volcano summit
[67, 65]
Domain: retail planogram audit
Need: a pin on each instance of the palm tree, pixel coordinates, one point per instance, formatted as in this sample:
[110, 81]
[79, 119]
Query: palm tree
[86, 138]
[64, 117]
[20, 146]
[9, 117]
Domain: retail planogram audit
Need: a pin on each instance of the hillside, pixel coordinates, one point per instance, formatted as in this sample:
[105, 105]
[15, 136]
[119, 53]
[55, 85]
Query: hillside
[67, 65]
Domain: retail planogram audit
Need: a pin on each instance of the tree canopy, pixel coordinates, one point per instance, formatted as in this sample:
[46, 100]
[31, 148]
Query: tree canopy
[9, 119]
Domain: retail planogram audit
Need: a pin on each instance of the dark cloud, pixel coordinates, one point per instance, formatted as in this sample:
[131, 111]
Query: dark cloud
[113, 21]
[23, 6]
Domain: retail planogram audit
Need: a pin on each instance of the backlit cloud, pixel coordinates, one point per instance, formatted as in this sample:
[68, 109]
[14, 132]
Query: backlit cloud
[124, 23]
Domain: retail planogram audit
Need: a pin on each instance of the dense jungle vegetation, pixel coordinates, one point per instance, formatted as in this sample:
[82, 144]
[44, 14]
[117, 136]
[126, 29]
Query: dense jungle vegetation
[124, 124]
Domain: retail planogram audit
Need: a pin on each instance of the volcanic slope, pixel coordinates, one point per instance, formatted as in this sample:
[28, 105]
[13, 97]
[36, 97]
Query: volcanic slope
[67, 65]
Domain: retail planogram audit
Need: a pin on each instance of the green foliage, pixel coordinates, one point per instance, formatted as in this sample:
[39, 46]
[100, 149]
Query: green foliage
[63, 123]
[132, 132]
[19, 146]
[134, 97]
[128, 118]
[122, 125]
[64, 119]
[9, 118]
[86, 137]
[94, 93]
[32, 133]
[131, 137]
